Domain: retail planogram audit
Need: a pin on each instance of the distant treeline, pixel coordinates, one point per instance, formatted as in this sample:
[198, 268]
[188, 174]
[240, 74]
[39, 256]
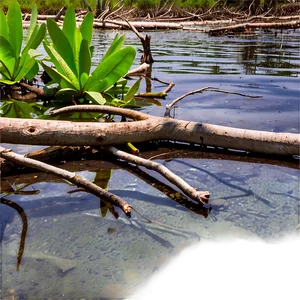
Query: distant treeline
[53, 6]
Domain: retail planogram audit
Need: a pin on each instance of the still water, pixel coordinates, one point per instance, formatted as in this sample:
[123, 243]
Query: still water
[72, 252]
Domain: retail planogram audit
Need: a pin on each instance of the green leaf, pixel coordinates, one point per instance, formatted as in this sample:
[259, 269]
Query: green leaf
[95, 97]
[27, 65]
[57, 77]
[14, 21]
[84, 58]
[86, 27]
[52, 57]
[8, 82]
[61, 44]
[76, 48]
[33, 42]
[69, 25]
[83, 80]
[133, 90]
[102, 178]
[32, 25]
[33, 71]
[111, 70]
[66, 69]
[115, 46]
[35, 38]
[66, 94]
[7, 56]
[3, 25]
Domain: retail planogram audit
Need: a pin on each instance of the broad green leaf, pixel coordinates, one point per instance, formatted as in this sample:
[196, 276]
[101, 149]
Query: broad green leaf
[117, 90]
[84, 58]
[4, 74]
[33, 71]
[86, 27]
[95, 97]
[32, 25]
[69, 25]
[66, 94]
[8, 82]
[7, 55]
[76, 48]
[115, 46]
[133, 90]
[83, 80]
[3, 25]
[57, 77]
[27, 65]
[14, 21]
[36, 38]
[66, 69]
[61, 44]
[111, 70]
[52, 58]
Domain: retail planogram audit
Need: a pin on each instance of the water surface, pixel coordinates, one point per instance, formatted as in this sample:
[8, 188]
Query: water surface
[72, 252]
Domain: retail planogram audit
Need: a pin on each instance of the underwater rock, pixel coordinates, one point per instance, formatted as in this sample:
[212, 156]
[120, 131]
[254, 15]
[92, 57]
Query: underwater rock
[114, 291]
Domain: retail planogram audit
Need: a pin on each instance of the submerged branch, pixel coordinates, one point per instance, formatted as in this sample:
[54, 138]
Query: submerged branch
[199, 196]
[70, 176]
[23, 216]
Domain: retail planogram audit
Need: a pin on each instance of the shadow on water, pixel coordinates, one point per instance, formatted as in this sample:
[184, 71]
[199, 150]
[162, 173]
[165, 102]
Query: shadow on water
[77, 248]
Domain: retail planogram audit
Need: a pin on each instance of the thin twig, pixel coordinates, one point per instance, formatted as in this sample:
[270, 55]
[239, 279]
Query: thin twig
[158, 156]
[70, 176]
[23, 216]
[199, 196]
[207, 88]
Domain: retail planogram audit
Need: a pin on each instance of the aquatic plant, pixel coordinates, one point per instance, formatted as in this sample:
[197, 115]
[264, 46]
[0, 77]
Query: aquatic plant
[70, 51]
[16, 64]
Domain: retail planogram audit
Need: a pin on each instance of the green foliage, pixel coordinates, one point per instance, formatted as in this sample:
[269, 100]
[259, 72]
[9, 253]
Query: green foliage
[70, 51]
[14, 63]
[197, 3]
[18, 109]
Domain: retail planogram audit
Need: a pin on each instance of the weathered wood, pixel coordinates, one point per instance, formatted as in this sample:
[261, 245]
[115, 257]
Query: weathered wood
[66, 133]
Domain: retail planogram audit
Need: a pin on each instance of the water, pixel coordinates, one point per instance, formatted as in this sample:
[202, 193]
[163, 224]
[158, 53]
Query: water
[72, 252]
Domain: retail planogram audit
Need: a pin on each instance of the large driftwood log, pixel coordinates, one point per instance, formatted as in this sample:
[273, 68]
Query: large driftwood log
[142, 128]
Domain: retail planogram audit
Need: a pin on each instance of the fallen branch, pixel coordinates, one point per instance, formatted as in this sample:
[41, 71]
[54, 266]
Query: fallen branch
[207, 88]
[199, 196]
[70, 176]
[82, 182]
[245, 26]
[145, 128]
[60, 13]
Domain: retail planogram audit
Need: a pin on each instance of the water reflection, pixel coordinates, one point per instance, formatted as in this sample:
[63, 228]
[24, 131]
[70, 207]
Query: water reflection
[72, 251]
[269, 52]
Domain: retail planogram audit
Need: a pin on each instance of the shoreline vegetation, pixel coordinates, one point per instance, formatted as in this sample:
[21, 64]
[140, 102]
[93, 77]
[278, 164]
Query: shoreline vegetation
[209, 16]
